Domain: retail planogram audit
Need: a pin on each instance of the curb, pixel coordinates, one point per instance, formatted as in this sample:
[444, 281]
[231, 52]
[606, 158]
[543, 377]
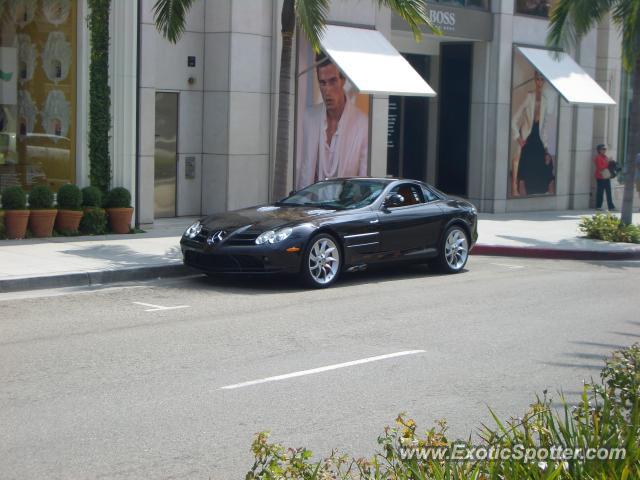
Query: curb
[85, 279]
[555, 253]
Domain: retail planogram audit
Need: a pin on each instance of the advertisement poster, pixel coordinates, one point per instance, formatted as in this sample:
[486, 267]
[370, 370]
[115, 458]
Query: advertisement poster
[8, 76]
[332, 121]
[534, 131]
[37, 92]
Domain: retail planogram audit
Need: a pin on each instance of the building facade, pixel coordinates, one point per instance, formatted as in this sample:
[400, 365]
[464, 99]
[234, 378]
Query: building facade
[195, 123]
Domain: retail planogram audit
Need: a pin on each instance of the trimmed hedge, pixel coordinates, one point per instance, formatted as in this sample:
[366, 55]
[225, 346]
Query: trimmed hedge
[118, 197]
[14, 198]
[91, 197]
[99, 94]
[41, 198]
[69, 197]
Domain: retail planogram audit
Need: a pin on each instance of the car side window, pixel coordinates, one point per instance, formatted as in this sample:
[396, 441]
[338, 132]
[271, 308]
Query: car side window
[411, 193]
[429, 195]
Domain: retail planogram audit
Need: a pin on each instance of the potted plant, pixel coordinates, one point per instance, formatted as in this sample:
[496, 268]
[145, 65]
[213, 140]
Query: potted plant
[43, 215]
[69, 211]
[94, 219]
[119, 210]
[91, 198]
[16, 215]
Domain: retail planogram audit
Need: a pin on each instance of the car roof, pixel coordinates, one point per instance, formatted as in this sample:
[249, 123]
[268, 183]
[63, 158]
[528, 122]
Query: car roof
[378, 179]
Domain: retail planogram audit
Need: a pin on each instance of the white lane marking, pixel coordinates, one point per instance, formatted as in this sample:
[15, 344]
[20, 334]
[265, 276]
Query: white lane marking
[322, 369]
[158, 308]
[506, 265]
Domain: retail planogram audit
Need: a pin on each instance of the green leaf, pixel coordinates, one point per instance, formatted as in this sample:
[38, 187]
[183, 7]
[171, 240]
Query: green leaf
[170, 17]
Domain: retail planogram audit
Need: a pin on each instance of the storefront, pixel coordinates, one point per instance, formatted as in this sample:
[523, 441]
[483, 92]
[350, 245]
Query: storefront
[430, 140]
[195, 124]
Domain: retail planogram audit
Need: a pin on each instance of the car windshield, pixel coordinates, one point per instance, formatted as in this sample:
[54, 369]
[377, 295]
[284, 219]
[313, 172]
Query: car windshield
[337, 194]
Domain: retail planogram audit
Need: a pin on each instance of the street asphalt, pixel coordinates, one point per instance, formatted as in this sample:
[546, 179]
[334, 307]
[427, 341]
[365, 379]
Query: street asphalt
[129, 381]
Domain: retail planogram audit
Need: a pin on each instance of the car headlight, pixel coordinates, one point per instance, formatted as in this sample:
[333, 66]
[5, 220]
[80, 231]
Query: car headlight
[193, 230]
[273, 237]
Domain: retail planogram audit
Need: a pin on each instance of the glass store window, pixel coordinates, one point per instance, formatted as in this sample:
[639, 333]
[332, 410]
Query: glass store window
[537, 8]
[482, 4]
[37, 93]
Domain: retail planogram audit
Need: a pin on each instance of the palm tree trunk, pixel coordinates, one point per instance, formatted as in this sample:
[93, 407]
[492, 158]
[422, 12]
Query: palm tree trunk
[632, 147]
[281, 167]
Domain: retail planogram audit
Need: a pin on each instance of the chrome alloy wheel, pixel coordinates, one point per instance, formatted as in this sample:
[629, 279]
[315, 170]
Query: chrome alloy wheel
[456, 249]
[324, 260]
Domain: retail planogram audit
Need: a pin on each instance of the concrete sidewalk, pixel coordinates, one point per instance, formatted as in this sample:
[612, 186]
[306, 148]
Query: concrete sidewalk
[81, 261]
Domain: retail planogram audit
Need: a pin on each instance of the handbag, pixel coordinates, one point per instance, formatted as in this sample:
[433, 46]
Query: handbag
[605, 174]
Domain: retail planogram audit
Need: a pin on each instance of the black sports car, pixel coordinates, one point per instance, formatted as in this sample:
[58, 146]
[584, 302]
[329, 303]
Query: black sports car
[336, 225]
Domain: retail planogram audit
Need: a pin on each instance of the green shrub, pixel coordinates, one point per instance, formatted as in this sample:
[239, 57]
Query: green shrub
[94, 222]
[14, 198]
[609, 227]
[91, 197]
[606, 416]
[41, 197]
[69, 197]
[118, 197]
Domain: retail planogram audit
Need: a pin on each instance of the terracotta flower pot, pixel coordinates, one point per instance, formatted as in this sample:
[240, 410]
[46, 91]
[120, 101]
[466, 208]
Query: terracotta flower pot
[68, 221]
[120, 219]
[41, 222]
[15, 222]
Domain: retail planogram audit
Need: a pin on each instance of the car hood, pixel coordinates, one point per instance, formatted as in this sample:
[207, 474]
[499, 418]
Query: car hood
[265, 217]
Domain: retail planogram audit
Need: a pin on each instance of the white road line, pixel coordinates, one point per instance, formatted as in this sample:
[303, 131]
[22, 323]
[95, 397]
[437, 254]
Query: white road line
[158, 308]
[322, 369]
[506, 265]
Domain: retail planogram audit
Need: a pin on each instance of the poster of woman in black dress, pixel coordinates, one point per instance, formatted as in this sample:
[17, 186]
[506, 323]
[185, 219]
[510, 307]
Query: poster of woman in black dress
[534, 125]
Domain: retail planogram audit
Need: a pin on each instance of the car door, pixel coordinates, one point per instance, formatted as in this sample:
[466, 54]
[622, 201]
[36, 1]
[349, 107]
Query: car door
[360, 234]
[412, 228]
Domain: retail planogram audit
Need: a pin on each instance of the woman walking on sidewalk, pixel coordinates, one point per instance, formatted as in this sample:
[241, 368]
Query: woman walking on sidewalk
[603, 178]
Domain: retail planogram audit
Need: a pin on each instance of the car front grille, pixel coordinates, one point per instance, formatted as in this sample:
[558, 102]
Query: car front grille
[242, 239]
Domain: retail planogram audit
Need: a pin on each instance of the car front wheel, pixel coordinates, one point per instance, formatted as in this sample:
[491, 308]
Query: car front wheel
[454, 250]
[322, 262]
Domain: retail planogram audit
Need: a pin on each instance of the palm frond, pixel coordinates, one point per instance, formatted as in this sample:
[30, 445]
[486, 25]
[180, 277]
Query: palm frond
[312, 17]
[414, 12]
[170, 17]
[625, 16]
[572, 19]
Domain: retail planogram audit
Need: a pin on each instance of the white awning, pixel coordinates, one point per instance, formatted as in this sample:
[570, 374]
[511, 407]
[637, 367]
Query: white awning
[371, 63]
[567, 77]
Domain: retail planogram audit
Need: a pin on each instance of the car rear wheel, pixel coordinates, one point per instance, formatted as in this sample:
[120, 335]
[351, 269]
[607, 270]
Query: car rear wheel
[454, 250]
[322, 262]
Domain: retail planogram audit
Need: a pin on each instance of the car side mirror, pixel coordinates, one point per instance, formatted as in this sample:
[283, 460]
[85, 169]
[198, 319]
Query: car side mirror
[393, 200]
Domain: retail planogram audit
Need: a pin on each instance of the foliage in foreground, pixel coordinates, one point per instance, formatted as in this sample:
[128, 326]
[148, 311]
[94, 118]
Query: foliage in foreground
[607, 416]
[609, 227]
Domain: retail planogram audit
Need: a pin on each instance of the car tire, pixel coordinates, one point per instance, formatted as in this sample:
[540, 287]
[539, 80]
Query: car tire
[321, 262]
[454, 250]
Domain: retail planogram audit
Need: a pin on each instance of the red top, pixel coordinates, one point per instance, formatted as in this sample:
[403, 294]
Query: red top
[601, 161]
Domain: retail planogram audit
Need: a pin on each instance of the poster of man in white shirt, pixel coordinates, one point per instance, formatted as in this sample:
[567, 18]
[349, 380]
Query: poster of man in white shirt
[333, 136]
